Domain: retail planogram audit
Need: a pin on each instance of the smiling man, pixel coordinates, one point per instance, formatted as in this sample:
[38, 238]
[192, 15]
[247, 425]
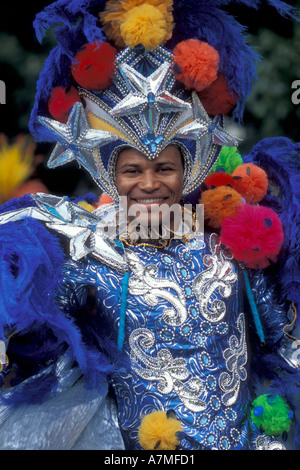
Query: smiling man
[120, 343]
[152, 188]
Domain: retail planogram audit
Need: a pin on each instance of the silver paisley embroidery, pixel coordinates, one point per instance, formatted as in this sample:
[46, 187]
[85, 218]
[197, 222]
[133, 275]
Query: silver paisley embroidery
[145, 282]
[170, 373]
[235, 359]
[265, 443]
[219, 276]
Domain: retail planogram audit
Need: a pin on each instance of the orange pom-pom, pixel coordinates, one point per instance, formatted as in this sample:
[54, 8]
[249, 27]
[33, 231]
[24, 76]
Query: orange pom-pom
[219, 178]
[196, 64]
[251, 182]
[217, 98]
[60, 102]
[104, 199]
[93, 67]
[219, 203]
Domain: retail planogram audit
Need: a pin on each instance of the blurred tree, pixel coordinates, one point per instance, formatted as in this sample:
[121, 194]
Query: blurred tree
[21, 60]
[270, 111]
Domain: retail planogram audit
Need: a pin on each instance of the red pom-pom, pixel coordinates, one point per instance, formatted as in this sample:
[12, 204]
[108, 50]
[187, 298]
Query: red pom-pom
[254, 235]
[219, 178]
[217, 98]
[61, 101]
[93, 67]
[251, 182]
[196, 64]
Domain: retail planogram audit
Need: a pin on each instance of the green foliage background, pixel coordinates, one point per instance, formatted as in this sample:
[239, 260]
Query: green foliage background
[270, 110]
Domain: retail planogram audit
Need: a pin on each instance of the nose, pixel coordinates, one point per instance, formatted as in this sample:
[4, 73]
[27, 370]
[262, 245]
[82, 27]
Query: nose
[149, 181]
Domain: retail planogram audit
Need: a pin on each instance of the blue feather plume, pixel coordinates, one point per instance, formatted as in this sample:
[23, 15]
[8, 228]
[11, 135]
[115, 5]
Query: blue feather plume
[31, 260]
[280, 158]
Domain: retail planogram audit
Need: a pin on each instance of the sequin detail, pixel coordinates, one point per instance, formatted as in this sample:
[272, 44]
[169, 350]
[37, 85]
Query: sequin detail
[265, 443]
[219, 276]
[145, 282]
[170, 373]
[235, 358]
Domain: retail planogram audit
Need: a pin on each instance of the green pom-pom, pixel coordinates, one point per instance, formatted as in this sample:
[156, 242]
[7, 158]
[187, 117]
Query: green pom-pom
[271, 414]
[228, 160]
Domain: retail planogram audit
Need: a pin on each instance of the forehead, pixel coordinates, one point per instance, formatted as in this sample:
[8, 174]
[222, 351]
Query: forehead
[170, 154]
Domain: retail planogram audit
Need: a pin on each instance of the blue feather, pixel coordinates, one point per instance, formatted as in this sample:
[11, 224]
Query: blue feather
[31, 261]
[18, 203]
[280, 158]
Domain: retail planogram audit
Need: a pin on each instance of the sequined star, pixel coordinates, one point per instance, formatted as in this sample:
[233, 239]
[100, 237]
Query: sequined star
[203, 125]
[83, 228]
[148, 93]
[76, 140]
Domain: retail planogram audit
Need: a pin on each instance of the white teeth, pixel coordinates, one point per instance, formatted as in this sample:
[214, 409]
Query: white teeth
[148, 201]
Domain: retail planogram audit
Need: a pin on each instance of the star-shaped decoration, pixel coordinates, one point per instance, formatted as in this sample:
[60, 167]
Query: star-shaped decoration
[84, 229]
[203, 125]
[148, 93]
[76, 140]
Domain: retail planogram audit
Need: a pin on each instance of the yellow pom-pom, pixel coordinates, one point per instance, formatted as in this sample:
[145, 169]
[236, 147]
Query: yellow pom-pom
[17, 163]
[132, 22]
[144, 25]
[159, 432]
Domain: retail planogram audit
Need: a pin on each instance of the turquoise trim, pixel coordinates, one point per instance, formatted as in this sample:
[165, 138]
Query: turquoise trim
[254, 310]
[123, 308]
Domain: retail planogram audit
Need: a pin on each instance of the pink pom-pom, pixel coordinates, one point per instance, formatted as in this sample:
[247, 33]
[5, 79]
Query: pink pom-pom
[253, 235]
[196, 64]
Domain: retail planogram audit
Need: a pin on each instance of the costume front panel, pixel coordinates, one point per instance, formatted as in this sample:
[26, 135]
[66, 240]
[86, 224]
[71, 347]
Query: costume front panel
[186, 338]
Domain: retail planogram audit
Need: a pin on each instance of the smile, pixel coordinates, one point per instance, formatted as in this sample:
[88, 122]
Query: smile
[149, 201]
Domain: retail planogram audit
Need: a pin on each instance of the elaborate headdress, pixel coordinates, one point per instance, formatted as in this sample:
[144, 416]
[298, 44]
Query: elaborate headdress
[143, 74]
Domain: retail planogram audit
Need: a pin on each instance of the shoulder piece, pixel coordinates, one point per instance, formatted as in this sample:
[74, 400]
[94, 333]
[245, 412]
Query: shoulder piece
[84, 229]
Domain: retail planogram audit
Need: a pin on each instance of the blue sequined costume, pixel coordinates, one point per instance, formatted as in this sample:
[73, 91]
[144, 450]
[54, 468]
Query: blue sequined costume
[185, 334]
[185, 347]
[96, 333]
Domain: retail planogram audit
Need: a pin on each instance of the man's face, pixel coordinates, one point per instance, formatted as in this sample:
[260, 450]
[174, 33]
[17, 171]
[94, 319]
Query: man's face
[150, 183]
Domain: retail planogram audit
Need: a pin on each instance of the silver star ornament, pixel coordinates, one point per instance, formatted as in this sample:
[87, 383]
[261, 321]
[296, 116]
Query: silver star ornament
[203, 125]
[148, 92]
[76, 140]
[85, 230]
